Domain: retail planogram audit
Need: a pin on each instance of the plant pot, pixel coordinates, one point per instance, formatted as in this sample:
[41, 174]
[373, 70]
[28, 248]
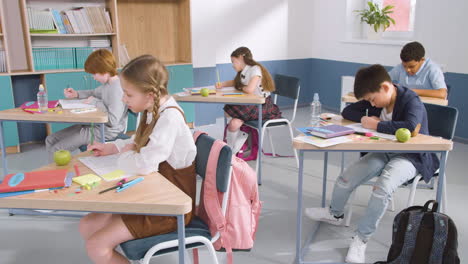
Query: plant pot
[369, 33]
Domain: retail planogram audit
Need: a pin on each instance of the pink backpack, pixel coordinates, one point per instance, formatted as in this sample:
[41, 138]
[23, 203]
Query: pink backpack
[238, 227]
[248, 151]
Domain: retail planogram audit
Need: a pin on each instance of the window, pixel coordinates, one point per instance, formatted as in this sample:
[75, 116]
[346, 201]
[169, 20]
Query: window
[403, 14]
[402, 31]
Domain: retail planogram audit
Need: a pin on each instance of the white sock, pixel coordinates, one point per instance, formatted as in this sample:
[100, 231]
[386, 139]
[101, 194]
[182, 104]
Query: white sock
[239, 142]
[231, 137]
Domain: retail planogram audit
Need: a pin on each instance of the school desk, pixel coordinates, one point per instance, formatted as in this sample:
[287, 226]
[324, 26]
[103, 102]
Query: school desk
[18, 115]
[350, 98]
[219, 98]
[154, 196]
[420, 143]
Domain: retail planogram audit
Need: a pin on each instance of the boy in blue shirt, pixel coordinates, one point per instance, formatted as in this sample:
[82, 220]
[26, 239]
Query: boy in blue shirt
[421, 75]
[390, 107]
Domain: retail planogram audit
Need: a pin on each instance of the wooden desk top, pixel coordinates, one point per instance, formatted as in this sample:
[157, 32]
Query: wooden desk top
[219, 98]
[418, 143]
[17, 114]
[154, 195]
[349, 98]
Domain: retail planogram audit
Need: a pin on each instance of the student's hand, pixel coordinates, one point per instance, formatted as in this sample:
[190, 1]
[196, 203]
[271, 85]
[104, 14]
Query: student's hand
[129, 147]
[219, 85]
[70, 93]
[375, 118]
[101, 149]
[369, 122]
[89, 100]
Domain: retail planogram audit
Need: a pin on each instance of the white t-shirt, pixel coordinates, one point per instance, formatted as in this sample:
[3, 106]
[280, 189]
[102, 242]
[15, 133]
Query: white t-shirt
[171, 141]
[248, 73]
[384, 116]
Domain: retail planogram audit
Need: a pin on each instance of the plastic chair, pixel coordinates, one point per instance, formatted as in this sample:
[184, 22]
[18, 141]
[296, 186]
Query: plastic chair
[289, 87]
[442, 122]
[197, 232]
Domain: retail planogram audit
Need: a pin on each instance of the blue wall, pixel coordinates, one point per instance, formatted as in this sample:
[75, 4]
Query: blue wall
[324, 77]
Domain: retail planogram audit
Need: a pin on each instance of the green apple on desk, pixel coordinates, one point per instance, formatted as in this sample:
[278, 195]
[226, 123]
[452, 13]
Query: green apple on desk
[62, 157]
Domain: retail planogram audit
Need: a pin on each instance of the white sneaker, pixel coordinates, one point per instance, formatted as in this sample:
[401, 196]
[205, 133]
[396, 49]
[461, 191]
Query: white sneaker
[240, 140]
[323, 215]
[356, 251]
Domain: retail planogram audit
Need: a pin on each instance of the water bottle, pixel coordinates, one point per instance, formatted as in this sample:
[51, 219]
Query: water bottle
[42, 99]
[316, 109]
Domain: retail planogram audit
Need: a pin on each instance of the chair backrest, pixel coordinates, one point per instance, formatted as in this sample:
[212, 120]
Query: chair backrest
[442, 120]
[223, 170]
[287, 86]
[448, 90]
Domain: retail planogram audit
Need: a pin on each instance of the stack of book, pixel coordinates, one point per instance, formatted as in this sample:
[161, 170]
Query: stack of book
[60, 58]
[78, 20]
[99, 43]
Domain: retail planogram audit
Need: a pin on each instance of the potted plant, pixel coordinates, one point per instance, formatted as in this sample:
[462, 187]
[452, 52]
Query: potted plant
[377, 19]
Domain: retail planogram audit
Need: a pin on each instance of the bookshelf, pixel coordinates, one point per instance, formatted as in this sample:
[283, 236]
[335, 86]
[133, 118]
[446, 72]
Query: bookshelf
[157, 27]
[3, 42]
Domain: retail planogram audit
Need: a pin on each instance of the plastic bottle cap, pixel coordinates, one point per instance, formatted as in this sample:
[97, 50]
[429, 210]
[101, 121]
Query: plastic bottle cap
[316, 97]
[41, 87]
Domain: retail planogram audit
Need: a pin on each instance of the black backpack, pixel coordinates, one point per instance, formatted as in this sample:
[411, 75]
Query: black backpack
[422, 235]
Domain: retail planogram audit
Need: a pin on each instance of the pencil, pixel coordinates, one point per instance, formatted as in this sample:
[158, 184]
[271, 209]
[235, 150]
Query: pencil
[217, 74]
[92, 135]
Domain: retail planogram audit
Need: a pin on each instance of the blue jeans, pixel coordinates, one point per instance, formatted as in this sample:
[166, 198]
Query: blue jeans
[391, 170]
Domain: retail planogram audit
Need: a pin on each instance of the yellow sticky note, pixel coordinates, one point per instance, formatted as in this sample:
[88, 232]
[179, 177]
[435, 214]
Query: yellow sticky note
[114, 175]
[87, 179]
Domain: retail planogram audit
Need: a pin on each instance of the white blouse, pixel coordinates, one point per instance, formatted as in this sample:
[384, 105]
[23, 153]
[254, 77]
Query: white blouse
[171, 141]
[248, 73]
[384, 116]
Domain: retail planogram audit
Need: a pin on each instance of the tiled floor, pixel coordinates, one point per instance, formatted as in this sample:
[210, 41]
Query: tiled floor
[25, 239]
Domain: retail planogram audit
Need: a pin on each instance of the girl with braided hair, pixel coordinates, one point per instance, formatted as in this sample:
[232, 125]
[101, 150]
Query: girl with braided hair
[163, 143]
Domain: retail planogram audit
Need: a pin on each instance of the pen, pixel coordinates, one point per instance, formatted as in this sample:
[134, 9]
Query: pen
[367, 112]
[119, 184]
[130, 183]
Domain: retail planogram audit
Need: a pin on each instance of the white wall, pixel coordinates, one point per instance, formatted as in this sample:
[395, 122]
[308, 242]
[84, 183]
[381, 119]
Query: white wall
[439, 27]
[219, 27]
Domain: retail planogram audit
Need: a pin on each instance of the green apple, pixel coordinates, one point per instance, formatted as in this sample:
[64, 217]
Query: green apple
[205, 92]
[62, 157]
[403, 134]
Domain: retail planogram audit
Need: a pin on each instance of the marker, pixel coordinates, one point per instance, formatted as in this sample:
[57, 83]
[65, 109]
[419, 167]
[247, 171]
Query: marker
[77, 171]
[130, 183]
[367, 134]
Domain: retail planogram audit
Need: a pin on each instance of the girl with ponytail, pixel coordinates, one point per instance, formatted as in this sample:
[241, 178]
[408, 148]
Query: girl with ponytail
[251, 78]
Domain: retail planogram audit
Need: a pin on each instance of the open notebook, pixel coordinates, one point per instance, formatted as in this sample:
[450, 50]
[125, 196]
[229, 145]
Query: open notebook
[105, 167]
[74, 104]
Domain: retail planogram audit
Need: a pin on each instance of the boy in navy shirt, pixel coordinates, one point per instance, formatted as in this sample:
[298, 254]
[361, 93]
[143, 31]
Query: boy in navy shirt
[390, 107]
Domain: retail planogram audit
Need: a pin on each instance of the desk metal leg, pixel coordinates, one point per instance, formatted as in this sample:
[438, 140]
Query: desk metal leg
[324, 183]
[300, 180]
[260, 149]
[2, 145]
[440, 185]
[103, 137]
[181, 236]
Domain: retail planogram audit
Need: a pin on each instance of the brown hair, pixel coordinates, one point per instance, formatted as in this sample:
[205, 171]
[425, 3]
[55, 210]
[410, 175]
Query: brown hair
[369, 79]
[148, 74]
[101, 61]
[267, 81]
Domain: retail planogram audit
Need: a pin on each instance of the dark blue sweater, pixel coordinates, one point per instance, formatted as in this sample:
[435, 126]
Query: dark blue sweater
[408, 112]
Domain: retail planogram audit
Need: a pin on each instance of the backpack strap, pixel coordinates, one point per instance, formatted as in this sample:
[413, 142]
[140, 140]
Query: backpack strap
[197, 134]
[439, 239]
[175, 107]
[414, 221]
[211, 198]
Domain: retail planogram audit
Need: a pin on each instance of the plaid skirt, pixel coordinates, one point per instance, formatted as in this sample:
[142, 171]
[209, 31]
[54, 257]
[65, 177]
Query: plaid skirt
[250, 112]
